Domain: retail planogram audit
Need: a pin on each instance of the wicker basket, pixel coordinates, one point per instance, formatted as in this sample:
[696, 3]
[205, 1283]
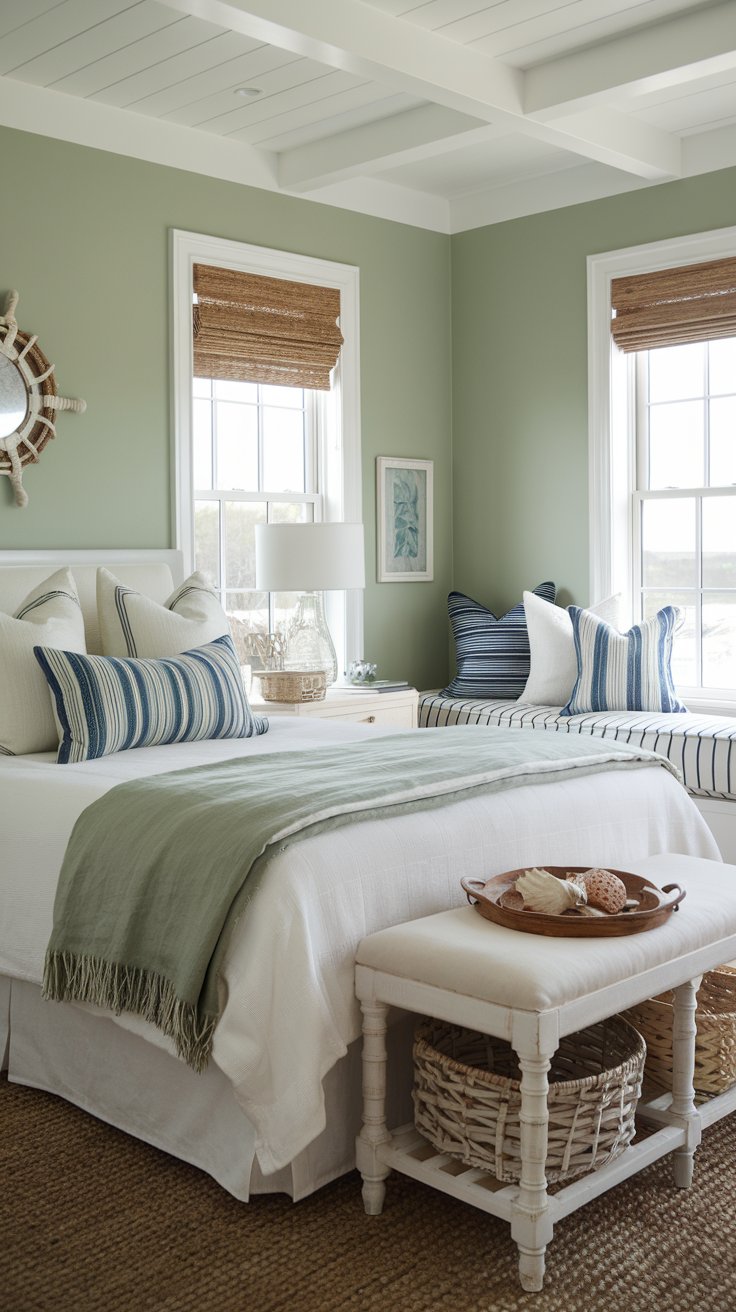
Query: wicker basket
[293, 685]
[715, 1043]
[467, 1098]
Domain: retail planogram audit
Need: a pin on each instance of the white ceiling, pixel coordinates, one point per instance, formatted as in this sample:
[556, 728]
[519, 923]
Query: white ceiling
[447, 114]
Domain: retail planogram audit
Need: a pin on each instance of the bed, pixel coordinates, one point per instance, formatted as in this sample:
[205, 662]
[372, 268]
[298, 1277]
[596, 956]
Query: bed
[277, 1107]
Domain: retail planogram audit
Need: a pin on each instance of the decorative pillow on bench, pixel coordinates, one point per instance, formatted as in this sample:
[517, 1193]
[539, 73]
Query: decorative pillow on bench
[492, 654]
[104, 705]
[554, 665]
[623, 671]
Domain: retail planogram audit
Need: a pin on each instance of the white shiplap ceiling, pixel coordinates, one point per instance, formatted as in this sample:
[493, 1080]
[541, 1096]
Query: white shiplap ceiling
[447, 114]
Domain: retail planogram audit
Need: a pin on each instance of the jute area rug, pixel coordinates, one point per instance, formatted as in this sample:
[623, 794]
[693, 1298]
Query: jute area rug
[93, 1221]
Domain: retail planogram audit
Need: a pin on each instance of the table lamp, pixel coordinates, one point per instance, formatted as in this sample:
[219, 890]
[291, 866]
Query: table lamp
[310, 559]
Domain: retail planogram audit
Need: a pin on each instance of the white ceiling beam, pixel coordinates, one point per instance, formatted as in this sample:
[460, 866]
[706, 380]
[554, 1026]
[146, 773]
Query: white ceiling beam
[372, 148]
[622, 142]
[364, 41]
[369, 43]
[654, 58]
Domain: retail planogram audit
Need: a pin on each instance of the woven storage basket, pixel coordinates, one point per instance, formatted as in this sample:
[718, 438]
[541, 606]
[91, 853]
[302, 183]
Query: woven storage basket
[467, 1098]
[715, 1042]
[293, 685]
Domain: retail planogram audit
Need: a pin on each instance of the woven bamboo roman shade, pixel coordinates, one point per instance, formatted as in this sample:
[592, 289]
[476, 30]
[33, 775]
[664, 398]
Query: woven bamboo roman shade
[673, 306]
[264, 330]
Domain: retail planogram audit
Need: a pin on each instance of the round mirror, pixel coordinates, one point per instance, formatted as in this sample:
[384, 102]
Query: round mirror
[13, 402]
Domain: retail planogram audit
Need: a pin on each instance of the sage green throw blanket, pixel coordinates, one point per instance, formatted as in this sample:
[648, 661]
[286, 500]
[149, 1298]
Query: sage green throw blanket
[158, 870]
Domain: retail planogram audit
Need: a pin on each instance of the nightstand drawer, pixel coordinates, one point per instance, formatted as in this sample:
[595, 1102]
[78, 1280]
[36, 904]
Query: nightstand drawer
[398, 709]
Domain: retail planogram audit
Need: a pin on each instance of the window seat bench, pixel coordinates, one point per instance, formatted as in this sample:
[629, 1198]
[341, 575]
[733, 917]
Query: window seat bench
[703, 747]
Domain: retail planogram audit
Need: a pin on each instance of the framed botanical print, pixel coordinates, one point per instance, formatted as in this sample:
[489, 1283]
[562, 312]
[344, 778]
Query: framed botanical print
[405, 520]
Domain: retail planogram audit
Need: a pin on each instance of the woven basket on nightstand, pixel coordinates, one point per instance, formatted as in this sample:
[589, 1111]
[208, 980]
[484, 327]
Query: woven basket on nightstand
[467, 1097]
[715, 1043]
[293, 685]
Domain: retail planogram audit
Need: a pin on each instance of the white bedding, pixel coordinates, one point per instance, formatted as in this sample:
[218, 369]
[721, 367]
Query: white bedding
[289, 1010]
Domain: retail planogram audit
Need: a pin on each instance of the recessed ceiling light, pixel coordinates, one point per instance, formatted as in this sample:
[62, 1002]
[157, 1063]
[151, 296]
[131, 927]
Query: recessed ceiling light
[247, 92]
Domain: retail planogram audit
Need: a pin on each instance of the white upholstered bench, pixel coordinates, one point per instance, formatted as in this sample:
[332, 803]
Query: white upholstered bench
[533, 990]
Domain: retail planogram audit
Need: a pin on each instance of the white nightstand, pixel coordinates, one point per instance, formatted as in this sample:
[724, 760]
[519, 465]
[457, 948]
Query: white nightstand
[384, 708]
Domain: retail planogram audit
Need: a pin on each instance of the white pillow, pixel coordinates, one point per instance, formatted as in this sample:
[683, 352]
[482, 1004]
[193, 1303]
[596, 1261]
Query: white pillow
[49, 616]
[134, 625]
[554, 667]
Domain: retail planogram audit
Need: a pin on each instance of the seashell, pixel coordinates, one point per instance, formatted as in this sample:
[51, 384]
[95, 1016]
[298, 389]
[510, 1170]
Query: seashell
[544, 892]
[605, 890]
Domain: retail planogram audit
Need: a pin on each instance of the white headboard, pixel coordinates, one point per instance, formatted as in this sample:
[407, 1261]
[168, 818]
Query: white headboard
[155, 573]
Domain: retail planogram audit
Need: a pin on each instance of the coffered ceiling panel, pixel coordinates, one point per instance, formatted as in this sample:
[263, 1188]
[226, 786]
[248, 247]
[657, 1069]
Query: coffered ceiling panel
[387, 105]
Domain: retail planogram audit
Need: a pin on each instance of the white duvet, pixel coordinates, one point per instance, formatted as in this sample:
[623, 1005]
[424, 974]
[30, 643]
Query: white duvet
[289, 1009]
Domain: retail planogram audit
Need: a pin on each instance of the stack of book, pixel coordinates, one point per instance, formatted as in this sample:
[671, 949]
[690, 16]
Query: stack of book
[376, 685]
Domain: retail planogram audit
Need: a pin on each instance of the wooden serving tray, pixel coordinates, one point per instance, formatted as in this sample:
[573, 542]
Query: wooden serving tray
[498, 900]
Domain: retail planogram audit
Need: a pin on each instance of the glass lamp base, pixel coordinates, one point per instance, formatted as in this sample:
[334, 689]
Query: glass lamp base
[308, 642]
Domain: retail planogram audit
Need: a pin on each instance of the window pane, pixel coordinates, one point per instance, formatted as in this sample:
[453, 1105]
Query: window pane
[723, 365]
[202, 446]
[241, 518]
[226, 390]
[283, 450]
[676, 372]
[237, 446]
[684, 667]
[723, 440]
[719, 640]
[286, 396]
[201, 387]
[719, 542]
[668, 544]
[290, 512]
[676, 445]
[207, 539]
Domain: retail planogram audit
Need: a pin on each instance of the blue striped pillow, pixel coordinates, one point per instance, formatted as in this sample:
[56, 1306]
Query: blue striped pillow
[492, 655]
[623, 671]
[108, 704]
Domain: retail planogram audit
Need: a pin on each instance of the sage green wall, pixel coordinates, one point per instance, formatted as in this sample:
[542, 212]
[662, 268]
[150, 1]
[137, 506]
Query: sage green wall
[520, 428]
[84, 237]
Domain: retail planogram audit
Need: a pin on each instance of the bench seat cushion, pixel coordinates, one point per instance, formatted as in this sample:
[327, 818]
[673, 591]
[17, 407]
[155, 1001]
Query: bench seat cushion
[703, 747]
[463, 953]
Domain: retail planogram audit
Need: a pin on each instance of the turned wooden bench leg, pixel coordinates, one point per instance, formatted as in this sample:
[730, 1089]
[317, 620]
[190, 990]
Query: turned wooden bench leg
[531, 1226]
[683, 1107]
[374, 1131]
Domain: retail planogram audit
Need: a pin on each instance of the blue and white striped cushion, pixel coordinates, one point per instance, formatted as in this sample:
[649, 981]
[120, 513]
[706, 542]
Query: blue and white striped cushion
[109, 704]
[703, 747]
[492, 655]
[623, 671]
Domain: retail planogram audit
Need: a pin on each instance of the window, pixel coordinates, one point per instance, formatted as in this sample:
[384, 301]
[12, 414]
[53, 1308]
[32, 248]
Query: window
[663, 475]
[257, 452]
[685, 504]
[255, 461]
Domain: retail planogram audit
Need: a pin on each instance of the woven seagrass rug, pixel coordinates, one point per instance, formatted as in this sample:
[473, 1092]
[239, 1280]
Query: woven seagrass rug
[93, 1221]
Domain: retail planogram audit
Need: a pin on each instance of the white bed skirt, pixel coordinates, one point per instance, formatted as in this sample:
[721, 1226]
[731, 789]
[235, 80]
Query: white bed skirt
[122, 1079]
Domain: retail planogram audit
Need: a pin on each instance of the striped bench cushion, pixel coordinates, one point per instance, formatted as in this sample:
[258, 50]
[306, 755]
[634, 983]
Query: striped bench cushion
[702, 747]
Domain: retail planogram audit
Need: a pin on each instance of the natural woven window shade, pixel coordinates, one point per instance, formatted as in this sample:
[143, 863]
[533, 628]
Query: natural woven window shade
[672, 306]
[264, 330]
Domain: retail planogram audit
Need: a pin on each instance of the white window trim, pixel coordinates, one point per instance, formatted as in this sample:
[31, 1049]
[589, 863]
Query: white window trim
[609, 503]
[343, 499]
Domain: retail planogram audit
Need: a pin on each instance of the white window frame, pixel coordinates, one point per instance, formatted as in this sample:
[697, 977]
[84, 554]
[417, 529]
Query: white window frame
[339, 458]
[611, 472]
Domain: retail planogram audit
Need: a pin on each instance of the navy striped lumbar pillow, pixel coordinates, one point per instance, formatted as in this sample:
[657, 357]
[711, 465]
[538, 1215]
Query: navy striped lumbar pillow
[623, 671]
[492, 654]
[109, 704]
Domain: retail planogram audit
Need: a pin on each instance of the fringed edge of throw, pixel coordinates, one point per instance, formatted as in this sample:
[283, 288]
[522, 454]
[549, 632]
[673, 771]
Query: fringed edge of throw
[68, 977]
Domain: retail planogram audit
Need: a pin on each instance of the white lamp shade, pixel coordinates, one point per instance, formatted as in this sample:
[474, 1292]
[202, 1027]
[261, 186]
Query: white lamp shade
[309, 557]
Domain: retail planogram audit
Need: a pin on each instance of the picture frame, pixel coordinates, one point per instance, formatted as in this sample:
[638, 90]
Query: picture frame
[405, 520]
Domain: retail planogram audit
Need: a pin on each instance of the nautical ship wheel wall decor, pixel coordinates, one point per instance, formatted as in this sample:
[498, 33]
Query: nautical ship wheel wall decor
[28, 400]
